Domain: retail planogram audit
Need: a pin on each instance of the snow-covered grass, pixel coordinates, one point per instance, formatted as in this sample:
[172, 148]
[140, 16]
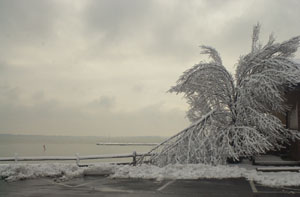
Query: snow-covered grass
[61, 171]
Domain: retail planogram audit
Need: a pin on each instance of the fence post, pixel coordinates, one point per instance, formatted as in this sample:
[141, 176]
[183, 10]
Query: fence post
[16, 157]
[134, 158]
[77, 159]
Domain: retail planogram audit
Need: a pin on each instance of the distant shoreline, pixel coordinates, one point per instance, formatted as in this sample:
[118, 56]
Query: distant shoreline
[134, 136]
[46, 139]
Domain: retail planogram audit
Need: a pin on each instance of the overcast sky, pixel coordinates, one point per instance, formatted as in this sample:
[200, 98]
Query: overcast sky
[102, 67]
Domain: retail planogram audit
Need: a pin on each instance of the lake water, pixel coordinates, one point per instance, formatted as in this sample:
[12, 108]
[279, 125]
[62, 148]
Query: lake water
[31, 145]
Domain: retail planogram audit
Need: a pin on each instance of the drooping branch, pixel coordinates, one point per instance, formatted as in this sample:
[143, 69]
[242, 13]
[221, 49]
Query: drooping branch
[206, 86]
[234, 118]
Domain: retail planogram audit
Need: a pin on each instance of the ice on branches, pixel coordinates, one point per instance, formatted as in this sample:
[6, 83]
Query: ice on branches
[234, 116]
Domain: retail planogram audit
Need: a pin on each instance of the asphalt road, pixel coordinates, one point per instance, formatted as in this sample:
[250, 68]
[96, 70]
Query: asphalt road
[102, 186]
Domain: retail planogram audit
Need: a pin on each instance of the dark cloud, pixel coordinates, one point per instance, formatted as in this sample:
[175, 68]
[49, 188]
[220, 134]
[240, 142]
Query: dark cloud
[26, 21]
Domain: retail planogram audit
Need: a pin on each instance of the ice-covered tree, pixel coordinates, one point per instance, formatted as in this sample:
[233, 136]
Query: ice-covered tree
[234, 116]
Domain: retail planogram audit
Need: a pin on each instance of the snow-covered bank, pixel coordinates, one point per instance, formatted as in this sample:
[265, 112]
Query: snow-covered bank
[63, 171]
[13, 172]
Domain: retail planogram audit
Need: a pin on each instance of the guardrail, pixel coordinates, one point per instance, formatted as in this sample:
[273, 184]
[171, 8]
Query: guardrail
[76, 158]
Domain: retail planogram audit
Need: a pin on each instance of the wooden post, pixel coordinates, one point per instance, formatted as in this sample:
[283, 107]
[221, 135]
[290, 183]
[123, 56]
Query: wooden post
[77, 158]
[134, 158]
[16, 157]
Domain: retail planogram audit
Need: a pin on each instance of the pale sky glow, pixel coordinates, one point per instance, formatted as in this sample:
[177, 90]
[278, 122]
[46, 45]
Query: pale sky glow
[102, 67]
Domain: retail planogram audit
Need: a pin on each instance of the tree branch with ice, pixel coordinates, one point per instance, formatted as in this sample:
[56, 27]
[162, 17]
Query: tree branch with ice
[233, 116]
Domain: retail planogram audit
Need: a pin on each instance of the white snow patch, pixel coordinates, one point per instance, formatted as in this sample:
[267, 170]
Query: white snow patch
[179, 171]
[198, 171]
[14, 172]
[274, 179]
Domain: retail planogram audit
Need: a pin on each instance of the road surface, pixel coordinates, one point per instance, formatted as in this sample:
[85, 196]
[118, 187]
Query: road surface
[103, 186]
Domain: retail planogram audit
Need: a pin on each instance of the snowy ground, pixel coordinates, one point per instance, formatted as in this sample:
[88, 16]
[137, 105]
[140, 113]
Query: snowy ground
[61, 171]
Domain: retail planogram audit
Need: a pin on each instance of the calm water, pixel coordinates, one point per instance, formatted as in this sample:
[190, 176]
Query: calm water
[24, 145]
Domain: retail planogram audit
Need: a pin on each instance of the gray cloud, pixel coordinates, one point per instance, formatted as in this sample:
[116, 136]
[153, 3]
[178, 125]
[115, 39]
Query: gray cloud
[117, 17]
[103, 67]
[51, 117]
[138, 88]
[9, 95]
[104, 102]
[153, 28]
[278, 17]
[26, 21]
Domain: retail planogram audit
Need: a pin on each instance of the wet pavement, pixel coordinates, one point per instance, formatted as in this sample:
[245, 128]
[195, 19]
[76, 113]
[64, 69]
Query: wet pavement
[102, 186]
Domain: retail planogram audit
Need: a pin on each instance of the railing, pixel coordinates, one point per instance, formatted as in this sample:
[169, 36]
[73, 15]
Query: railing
[125, 144]
[76, 158]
